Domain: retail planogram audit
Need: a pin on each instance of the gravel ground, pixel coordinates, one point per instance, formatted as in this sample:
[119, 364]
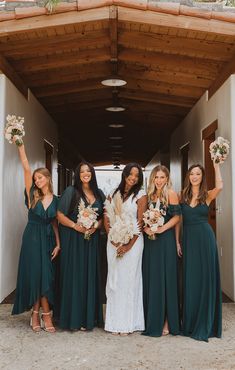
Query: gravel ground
[21, 349]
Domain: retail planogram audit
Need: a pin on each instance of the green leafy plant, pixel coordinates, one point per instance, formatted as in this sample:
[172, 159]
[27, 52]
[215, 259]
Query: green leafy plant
[51, 4]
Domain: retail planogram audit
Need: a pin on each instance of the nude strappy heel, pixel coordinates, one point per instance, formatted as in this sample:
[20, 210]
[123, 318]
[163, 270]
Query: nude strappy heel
[49, 329]
[36, 328]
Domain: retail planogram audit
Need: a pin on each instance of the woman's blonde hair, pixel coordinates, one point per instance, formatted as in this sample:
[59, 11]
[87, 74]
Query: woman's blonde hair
[164, 196]
[37, 193]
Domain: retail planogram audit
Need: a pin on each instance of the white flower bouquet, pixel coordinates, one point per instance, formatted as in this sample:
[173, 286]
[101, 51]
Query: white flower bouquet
[87, 217]
[153, 218]
[219, 149]
[14, 129]
[123, 225]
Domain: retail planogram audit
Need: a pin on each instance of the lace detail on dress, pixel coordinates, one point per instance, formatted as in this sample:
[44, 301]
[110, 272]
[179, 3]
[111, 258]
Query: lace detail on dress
[124, 309]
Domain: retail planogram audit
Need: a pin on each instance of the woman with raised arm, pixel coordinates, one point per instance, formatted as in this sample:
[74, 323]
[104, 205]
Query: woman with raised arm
[160, 278]
[40, 245]
[202, 307]
[124, 309]
[80, 303]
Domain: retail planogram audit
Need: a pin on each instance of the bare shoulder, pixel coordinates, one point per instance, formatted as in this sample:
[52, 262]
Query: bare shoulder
[173, 197]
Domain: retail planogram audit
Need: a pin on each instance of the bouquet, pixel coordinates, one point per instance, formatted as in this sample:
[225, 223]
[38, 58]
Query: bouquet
[123, 225]
[219, 149]
[153, 218]
[87, 217]
[14, 129]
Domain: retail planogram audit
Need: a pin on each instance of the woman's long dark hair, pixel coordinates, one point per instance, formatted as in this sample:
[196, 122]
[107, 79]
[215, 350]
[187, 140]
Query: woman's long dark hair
[186, 194]
[79, 193]
[125, 173]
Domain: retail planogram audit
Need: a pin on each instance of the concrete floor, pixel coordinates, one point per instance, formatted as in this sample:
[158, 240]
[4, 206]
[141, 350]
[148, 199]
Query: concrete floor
[21, 349]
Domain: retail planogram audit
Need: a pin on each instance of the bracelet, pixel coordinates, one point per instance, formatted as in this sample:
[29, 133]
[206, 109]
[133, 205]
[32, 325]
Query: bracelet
[24, 160]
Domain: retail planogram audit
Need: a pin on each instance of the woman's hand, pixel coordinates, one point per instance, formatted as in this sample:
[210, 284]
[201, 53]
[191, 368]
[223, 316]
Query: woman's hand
[124, 248]
[148, 231]
[116, 245]
[80, 229]
[160, 229]
[179, 249]
[55, 252]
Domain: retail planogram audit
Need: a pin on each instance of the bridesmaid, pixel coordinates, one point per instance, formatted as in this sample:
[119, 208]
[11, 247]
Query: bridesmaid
[161, 306]
[80, 306]
[202, 309]
[40, 245]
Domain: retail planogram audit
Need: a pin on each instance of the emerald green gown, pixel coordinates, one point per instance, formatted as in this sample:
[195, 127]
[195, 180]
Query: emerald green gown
[80, 293]
[160, 280]
[36, 270]
[202, 309]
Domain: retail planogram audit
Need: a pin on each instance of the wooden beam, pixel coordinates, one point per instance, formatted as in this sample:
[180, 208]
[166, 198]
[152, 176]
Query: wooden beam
[7, 69]
[114, 36]
[201, 67]
[53, 20]
[174, 77]
[175, 21]
[31, 48]
[225, 72]
[174, 44]
[158, 98]
[61, 60]
[68, 88]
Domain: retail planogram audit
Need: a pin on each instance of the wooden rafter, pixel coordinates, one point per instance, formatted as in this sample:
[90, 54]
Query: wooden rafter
[7, 69]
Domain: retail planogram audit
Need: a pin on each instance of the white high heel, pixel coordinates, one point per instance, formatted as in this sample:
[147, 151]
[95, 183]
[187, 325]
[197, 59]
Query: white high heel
[49, 329]
[36, 328]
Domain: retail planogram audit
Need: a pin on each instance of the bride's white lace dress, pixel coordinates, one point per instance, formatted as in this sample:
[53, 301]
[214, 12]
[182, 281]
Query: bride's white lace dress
[124, 308]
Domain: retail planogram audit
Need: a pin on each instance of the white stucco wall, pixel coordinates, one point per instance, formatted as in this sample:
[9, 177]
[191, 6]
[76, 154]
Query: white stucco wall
[205, 112]
[38, 126]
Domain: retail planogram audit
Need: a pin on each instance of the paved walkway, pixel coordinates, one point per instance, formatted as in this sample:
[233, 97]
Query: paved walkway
[21, 349]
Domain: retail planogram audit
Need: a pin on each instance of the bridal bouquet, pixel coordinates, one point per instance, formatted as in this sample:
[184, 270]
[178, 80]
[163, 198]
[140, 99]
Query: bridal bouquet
[14, 129]
[123, 225]
[87, 217]
[219, 149]
[153, 218]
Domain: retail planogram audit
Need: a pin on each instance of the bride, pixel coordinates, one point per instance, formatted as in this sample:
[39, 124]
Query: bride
[124, 309]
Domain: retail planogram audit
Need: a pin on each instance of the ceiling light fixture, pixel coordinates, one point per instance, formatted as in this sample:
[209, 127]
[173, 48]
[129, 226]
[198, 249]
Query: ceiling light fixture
[115, 137]
[114, 82]
[116, 125]
[115, 109]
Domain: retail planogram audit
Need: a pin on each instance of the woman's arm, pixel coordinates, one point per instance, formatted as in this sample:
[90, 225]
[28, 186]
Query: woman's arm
[212, 194]
[177, 237]
[27, 170]
[57, 246]
[65, 221]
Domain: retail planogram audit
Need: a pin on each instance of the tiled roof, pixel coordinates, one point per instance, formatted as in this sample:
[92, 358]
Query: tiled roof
[24, 9]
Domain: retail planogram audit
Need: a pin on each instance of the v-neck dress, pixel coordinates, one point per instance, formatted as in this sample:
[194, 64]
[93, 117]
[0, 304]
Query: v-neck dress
[36, 270]
[80, 293]
[202, 309]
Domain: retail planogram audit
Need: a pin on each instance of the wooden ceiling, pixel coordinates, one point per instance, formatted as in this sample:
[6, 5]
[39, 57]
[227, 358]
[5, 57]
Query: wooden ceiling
[168, 62]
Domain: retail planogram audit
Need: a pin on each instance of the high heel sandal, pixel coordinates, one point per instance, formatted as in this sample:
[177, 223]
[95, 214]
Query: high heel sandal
[35, 328]
[49, 329]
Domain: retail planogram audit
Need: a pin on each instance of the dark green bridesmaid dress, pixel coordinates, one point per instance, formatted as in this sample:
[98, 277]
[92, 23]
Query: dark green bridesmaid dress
[80, 301]
[160, 280]
[36, 270]
[202, 308]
